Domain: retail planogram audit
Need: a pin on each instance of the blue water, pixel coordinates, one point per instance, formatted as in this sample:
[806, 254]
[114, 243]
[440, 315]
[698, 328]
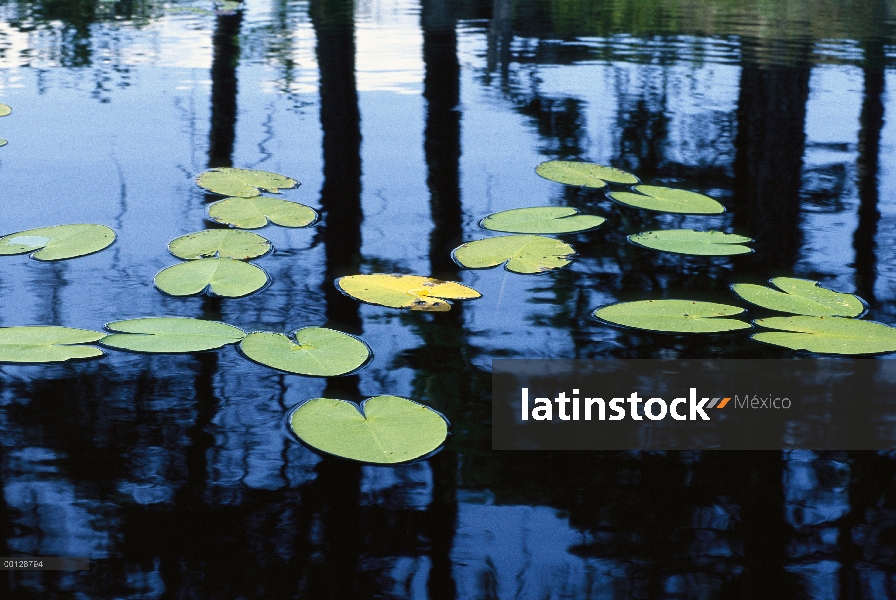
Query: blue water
[176, 474]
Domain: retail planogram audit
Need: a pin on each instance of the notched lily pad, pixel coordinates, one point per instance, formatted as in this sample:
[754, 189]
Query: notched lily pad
[220, 243]
[697, 243]
[670, 200]
[58, 242]
[583, 173]
[827, 335]
[316, 351]
[217, 276]
[382, 430]
[801, 297]
[46, 344]
[243, 183]
[253, 213]
[673, 316]
[170, 335]
[405, 291]
[541, 219]
[521, 253]
[5, 109]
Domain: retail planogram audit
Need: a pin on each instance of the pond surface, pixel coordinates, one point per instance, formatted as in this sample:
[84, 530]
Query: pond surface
[406, 124]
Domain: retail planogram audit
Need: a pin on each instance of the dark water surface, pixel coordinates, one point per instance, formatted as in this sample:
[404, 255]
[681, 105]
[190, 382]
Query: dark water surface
[407, 123]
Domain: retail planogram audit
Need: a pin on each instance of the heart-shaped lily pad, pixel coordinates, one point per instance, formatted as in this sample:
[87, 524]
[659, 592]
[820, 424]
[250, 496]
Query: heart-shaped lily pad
[541, 219]
[219, 276]
[383, 430]
[5, 109]
[316, 351]
[688, 241]
[827, 335]
[170, 334]
[673, 316]
[405, 291]
[44, 344]
[243, 183]
[583, 173]
[221, 243]
[59, 242]
[670, 200]
[522, 253]
[801, 297]
[252, 213]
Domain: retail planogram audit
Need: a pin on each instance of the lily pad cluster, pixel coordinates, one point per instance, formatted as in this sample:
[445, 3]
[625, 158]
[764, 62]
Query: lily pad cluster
[535, 252]
[217, 259]
[391, 429]
[822, 321]
[825, 321]
[526, 253]
[384, 429]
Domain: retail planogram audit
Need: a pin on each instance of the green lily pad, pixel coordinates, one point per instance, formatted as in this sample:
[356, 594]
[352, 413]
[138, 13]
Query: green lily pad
[3, 142]
[827, 335]
[583, 173]
[521, 253]
[170, 334]
[220, 243]
[252, 213]
[45, 344]
[177, 10]
[664, 199]
[383, 430]
[59, 242]
[405, 291]
[229, 7]
[801, 297]
[243, 183]
[5, 109]
[688, 241]
[316, 351]
[219, 276]
[673, 316]
[541, 219]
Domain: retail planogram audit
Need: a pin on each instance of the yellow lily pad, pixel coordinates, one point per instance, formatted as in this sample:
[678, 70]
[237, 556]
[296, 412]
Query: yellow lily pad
[405, 291]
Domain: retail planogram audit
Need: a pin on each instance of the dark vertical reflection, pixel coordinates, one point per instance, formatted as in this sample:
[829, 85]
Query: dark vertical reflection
[225, 56]
[226, 51]
[441, 145]
[872, 474]
[769, 146]
[340, 120]
[331, 537]
[442, 149]
[771, 114]
[763, 530]
[190, 497]
[871, 122]
[330, 524]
